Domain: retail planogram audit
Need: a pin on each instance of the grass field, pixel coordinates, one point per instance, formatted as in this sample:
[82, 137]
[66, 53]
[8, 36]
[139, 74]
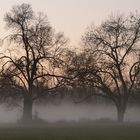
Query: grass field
[71, 132]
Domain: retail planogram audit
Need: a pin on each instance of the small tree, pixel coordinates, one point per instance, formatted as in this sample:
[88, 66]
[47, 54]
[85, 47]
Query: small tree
[135, 78]
[9, 90]
[77, 70]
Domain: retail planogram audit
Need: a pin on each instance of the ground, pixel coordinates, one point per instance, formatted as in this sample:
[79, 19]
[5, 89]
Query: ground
[72, 131]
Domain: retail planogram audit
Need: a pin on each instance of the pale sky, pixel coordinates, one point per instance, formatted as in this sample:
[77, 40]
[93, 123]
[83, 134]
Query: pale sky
[73, 16]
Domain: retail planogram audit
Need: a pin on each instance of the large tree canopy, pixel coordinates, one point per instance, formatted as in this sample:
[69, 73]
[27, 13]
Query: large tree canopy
[39, 62]
[116, 43]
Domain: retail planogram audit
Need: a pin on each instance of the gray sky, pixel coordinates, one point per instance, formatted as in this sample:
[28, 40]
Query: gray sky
[73, 16]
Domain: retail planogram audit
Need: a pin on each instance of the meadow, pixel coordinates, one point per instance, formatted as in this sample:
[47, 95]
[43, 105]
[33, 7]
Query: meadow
[74, 131]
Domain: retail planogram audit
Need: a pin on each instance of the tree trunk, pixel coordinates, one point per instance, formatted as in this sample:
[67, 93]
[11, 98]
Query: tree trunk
[27, 110]
[121, 112]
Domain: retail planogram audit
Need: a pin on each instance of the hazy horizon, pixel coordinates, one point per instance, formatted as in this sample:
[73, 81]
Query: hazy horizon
[70, 112]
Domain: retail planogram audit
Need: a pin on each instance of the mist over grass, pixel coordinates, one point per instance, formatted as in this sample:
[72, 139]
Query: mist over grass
[70, 112]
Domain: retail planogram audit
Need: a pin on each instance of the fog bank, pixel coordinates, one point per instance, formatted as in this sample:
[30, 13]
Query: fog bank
[69, 112]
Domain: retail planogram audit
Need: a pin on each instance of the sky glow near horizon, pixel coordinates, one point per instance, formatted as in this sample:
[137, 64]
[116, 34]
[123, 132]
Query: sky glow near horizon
[72, 16]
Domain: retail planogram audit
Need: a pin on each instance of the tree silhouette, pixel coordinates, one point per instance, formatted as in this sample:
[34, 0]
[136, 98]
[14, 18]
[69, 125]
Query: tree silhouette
[115, 42]
[39, 62]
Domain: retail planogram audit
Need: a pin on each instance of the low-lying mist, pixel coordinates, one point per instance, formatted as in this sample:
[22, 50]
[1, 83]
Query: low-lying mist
[66, 112]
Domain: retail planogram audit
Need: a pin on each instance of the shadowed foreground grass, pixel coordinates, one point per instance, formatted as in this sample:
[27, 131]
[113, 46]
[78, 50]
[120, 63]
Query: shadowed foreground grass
[71, 132]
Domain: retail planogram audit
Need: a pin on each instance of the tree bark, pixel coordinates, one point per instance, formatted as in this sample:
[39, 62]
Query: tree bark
[27, 110]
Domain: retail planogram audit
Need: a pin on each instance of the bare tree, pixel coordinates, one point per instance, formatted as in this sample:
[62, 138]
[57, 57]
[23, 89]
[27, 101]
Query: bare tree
[135, 78]
[77, 70]
[115, 42]
[9, 90]
[39, 59]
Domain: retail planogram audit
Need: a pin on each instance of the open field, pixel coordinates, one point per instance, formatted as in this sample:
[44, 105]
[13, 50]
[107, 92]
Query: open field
[71, 132]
